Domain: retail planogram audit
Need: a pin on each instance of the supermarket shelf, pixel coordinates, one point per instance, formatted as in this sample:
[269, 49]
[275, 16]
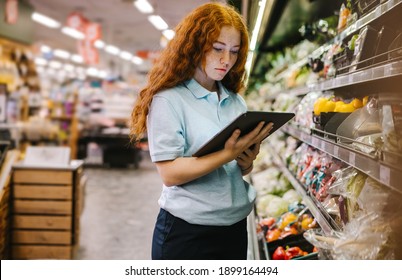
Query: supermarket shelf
[315, 211]
[370, 17]
[388, 175]
[376, 73]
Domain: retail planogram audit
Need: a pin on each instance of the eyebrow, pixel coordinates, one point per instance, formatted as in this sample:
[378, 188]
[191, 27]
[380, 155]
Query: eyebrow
[225, 44]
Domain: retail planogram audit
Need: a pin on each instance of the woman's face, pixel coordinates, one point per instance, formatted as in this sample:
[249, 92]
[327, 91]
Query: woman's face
[221, 58]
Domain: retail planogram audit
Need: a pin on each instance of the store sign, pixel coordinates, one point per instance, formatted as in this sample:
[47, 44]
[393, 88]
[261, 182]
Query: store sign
[77, 21]
[93, 32]
[88, 52]
[11, 11]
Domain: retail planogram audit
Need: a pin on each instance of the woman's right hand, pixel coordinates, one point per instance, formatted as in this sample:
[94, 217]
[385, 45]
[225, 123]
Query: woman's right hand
[236, 145]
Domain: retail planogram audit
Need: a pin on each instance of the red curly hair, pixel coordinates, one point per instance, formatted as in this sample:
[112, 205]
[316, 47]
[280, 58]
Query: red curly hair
[194, 38]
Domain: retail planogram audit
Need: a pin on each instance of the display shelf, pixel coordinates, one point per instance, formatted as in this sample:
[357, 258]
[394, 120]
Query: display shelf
[376, 73]
[365, 20]
[318, 214]
[360, 23]
[390, 176]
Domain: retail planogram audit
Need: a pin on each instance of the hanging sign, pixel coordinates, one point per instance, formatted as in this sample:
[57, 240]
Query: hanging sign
[11, 11]
[77, 21]
[88, 52]
[93, 32]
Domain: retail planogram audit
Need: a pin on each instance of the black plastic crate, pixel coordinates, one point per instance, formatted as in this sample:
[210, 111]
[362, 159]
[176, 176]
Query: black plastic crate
[291, 241]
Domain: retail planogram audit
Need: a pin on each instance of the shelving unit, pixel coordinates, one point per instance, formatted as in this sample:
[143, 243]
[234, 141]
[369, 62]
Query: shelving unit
[381, 75]
[390, 176]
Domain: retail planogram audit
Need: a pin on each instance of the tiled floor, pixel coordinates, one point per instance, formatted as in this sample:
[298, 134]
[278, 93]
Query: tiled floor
[119, 213]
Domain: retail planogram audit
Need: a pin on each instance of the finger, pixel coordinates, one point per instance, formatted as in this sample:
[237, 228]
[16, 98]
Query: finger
[234, 137]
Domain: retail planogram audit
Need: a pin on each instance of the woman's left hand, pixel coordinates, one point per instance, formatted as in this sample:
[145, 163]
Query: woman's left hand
[245, 159]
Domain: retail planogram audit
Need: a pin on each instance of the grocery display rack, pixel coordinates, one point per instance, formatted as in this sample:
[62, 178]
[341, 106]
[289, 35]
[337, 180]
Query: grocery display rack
[388, 175]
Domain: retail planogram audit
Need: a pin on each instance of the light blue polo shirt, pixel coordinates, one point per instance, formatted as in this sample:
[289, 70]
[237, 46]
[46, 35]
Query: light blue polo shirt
[180, 121]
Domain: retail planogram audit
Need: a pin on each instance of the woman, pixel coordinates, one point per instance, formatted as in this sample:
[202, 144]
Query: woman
[190, 96]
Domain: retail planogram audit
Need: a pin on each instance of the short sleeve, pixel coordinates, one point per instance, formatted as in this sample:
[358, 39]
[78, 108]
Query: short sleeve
[165, 131]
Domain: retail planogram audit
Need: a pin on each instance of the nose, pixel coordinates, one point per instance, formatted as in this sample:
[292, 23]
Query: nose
[225, 58]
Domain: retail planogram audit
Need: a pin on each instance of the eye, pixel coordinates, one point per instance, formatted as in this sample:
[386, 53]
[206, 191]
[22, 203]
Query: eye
[217, 49]
[235, 52]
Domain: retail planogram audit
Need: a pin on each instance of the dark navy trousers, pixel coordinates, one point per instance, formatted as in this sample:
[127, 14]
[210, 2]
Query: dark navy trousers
[175, 239]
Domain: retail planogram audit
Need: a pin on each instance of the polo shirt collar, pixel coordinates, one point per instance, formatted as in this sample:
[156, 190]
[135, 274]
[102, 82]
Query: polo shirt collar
[199, 91]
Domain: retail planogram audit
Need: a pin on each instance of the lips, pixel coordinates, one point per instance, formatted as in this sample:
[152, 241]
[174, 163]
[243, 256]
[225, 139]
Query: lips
[221, 69]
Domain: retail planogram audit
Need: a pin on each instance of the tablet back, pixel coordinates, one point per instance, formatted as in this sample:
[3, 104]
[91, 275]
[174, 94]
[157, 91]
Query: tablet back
[246, 122]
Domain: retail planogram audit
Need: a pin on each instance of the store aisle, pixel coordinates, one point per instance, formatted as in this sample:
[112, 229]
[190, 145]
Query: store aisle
[119, 213]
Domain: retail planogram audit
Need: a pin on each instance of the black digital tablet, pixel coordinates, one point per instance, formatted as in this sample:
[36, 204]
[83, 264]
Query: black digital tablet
[246, 122]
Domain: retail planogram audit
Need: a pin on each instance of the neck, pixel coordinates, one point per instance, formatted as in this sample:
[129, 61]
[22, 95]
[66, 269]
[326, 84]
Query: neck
[206, 83]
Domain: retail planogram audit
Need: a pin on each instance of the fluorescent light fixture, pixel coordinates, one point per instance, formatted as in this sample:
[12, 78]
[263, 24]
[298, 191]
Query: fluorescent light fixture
[77, 58]
[92, 71]
[112, 49]
[55, 64]
[62, 54]
[99, 44]
[69, 67]
[45, 20]
[45, 49]
[158, 22]
[137, 60]
[40, 61]
[143, 6]
[126, 55]
[257, 25]
[168, 33]
[249, 62]
[102, 74]
[73, 33]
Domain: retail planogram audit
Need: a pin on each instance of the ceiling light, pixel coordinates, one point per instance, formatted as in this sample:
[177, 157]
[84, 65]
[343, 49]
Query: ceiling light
[40, 61]
[158, 22]
[73, 33]
[112, 49]
[137, 60]
[168, 33]
[99, 44]
[45, 20]
[126, 55]
[257, 25]
[92, 71]
[69, 67]
[77, 58]
[143, 6]
[45, 49]
[55, 64]
[62, 54]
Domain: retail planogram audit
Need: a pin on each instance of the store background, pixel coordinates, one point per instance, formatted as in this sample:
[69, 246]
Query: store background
[59, 91]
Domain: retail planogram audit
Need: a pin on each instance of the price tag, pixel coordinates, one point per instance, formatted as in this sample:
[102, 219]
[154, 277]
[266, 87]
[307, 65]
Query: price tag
[336, 151]
[385, 175]
[352, 158]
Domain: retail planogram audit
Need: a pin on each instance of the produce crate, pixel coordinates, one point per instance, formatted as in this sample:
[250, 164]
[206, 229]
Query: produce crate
[46, 206]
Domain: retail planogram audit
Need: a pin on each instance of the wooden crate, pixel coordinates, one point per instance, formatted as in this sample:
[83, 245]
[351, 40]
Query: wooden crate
[46, 207]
